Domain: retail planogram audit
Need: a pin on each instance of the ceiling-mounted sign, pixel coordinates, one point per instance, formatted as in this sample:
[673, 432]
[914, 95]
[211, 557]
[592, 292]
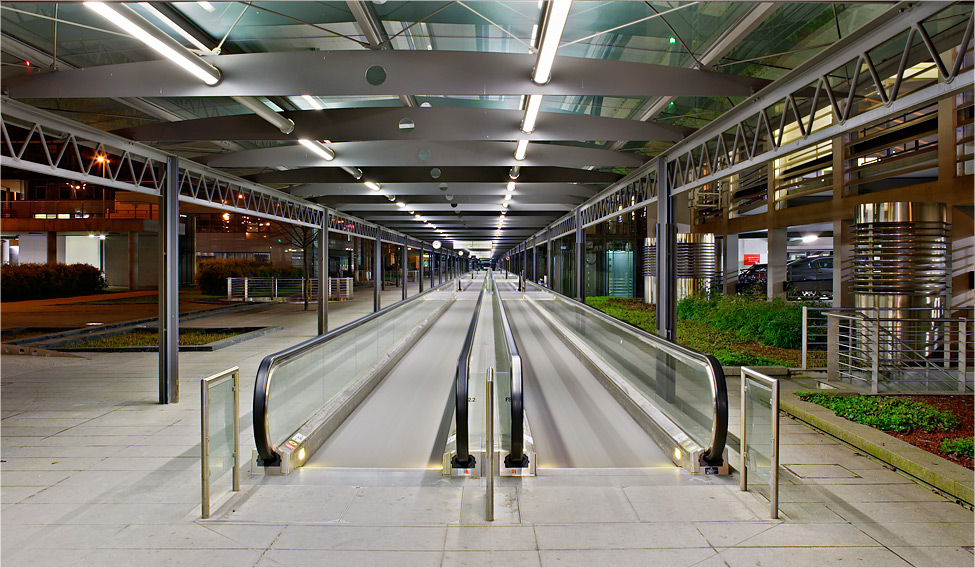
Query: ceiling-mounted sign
[436, 245]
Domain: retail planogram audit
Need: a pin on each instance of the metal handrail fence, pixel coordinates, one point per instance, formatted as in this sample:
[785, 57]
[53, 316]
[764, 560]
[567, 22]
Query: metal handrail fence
[277, 289]
[814, 338]
[897, 354]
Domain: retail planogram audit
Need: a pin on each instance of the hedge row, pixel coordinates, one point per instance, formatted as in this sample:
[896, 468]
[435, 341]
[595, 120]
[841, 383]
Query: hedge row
[53, 280]
[212, 274]
[777, 323]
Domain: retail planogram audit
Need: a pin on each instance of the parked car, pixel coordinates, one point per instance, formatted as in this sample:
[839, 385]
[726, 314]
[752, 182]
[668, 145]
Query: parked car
[807, 277]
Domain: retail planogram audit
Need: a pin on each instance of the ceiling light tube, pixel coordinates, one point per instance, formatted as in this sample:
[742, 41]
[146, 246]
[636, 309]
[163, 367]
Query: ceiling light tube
[354, 172]
[556, 14]
[511, 186]
[531, 113]
[313, 102]
[318, 148]
[142, 29]
[507, 197]
[401, 205]
[175, 27]
[514, 172]
[254, 104]
[372, 185]
[521, 150]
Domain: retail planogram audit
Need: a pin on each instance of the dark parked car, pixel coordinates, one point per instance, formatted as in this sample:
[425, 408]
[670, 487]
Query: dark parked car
[808, 277]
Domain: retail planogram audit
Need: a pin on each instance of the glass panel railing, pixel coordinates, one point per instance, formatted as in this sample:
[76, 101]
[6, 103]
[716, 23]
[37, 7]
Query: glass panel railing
[294, 384]
[760, 435]
[687, 386]
[220, 434]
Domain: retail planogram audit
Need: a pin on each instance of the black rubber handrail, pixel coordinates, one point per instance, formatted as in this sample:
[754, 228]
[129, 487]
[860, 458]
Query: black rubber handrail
[262, 385]
[516, 458]
[713, 454]
[461, 394]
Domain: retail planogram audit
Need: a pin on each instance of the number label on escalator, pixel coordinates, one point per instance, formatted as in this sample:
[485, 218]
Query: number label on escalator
[470, 399]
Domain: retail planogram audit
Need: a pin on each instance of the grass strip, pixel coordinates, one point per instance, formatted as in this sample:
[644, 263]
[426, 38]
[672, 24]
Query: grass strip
[884, 412]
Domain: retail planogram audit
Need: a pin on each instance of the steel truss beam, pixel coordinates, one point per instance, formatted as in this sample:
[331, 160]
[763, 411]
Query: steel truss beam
[735, 141]
[410, 153]
[343, 73]
[444, 175]
[384, 123]
[45, 143]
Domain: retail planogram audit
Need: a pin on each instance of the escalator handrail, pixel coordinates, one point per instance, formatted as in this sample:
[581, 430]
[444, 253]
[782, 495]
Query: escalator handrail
[461, 392]
[262, 384]
[517, 390]
[719, 386]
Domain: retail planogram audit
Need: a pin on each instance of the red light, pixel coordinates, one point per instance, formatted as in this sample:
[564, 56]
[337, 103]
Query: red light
[27, 63]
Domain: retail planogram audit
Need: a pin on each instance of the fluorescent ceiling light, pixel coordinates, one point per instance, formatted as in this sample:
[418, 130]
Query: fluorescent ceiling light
[556, 14]
[511, 186]
[175, 27]
[507, 197]
[170, 49]
[401, 205]
[313, 102]
[531, 113]
[354, 172]
[206, 6]
[521, 149]
[810, 238]
[372, 185]
[417, 215]
[317, 147]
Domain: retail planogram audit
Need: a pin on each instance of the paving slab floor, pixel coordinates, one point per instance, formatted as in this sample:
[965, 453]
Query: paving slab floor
[95, 472]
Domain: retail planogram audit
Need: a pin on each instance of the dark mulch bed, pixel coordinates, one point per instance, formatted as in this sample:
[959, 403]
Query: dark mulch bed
[962, 406]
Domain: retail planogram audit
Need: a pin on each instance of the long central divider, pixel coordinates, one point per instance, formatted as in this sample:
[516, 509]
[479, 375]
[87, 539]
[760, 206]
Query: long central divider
[681, 391]
[508, 377]
[464, 459]
[303, 393]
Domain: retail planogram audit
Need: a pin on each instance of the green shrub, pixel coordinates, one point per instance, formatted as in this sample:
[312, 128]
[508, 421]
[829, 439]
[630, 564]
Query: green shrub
[960, 446]
[212, 274]
[885, 412]
[629, 310]
[52, 280]
[776, 323]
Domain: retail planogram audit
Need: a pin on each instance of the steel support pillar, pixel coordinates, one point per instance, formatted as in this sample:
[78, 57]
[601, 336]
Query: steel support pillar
[404, 272]
[169, 285]
[580, 275]
[419, 272]
[323, 276]
[666, 256]
[377, 275]
[548, 260]
[729, 246]
[433, 276]
[778, 256]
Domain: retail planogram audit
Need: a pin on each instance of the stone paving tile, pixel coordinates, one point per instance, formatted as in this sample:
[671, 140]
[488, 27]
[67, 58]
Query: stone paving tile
[812, 556]
[488, 538]
[897, 534]
[350, 558]
[170, 557]
[514, 558]
[548, 505]
[935, 555]
[406, 505]
[619, 536]
[626, 557]
[809, 534]
[340, 537]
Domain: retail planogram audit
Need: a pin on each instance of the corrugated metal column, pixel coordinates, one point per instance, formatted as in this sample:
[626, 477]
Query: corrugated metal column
[580, 276]
[666, 256]
[433, 283]
[404, 272]
[169, 285]
[323, 278]
[377, 272]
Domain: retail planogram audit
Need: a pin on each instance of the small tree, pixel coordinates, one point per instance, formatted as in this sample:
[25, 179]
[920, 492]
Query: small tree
[304, 238]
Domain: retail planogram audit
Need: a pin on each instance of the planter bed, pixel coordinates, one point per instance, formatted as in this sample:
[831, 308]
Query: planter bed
[145, 339]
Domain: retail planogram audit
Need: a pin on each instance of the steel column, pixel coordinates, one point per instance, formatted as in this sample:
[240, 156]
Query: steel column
[323, 276]
[403, 265]
[433, 283]
[548, 260]
[666, 257]
[580, 276]
[419, 267]
[377, 272]
[169, 285]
